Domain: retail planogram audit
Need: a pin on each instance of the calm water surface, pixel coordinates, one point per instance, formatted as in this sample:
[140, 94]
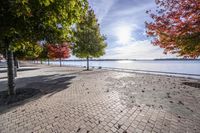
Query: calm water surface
[189, 67]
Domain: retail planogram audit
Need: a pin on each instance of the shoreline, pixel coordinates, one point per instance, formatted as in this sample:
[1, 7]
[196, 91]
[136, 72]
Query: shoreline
[170, 74]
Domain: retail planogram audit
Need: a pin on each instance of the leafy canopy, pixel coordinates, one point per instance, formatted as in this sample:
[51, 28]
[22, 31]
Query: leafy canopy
[29, 21]
[176, 27]
[27, 50]
[88, 40]
[58, 51]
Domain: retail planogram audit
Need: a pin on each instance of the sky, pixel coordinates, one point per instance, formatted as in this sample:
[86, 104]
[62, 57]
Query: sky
[123, 23]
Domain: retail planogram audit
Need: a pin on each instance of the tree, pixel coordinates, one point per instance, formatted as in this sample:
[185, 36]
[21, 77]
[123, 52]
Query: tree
[27, 50]
[24, 51]
[176, 27]
[58, 51]
[1, 57]
[43, 54]
[30, 21]
[88, 40]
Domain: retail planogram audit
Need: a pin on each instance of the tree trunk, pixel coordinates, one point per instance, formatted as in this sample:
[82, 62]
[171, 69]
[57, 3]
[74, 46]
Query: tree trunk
[11, 76]
[60, 62]
[16, 65]
[88, 67]
[48, 62]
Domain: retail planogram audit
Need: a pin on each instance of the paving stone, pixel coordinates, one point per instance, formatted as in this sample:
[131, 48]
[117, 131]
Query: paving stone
[73, 110]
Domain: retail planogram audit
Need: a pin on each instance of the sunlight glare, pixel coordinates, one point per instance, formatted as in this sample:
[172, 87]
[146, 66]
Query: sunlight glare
[123, 34]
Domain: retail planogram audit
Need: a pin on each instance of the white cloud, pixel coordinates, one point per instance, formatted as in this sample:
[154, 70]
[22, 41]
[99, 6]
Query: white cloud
[101, 7]
[135, 10]
[136, 50]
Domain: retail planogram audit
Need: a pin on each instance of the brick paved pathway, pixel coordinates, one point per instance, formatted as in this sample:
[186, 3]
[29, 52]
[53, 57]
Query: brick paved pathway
[89, 103]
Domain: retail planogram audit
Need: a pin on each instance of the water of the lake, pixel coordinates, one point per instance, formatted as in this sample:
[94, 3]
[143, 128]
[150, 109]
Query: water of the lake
[188, 68]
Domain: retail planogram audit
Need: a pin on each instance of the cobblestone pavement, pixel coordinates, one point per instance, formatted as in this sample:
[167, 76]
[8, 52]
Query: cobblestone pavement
[93, 102]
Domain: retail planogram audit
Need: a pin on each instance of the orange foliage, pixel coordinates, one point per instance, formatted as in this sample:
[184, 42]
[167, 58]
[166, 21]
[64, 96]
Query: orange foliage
[176, 27]
[58, 51]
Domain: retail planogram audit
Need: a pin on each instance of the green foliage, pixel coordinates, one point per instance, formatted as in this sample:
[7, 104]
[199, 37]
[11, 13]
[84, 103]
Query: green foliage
[27, 50]
[88, 40]
[34, 20]
[44, 53]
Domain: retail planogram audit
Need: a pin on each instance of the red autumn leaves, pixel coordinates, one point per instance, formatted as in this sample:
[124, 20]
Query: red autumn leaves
[58, 51]
[176, 27]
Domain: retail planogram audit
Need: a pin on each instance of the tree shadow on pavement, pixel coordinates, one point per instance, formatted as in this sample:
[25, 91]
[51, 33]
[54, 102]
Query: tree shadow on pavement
[192, 84]
[3, 77]
[33, 88]
[20, 69]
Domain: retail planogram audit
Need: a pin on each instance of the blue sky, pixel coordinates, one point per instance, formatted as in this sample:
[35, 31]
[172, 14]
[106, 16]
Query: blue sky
[122, 21]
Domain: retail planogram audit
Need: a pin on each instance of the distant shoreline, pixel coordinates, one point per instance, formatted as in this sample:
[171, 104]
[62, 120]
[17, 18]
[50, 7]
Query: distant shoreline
[130, 60]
